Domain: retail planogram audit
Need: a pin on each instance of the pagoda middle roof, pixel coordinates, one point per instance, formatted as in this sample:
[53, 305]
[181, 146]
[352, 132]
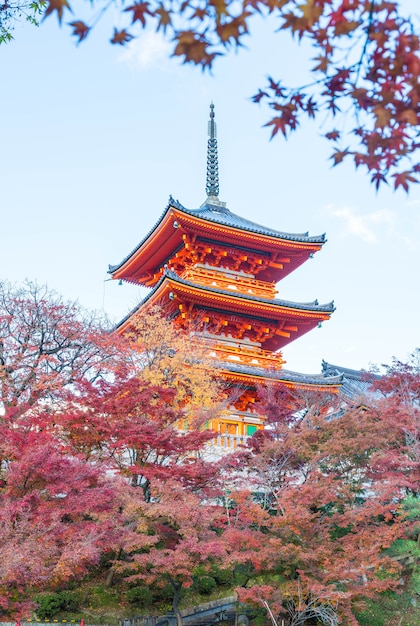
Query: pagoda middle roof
[218, 214]
[310, 307]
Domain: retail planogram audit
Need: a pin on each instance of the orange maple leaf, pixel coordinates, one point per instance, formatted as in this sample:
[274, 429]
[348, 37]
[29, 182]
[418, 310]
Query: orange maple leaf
[164, 18]
[333, 135]
[194, 48]
[382, 115]
[339, 155]
[121, 37]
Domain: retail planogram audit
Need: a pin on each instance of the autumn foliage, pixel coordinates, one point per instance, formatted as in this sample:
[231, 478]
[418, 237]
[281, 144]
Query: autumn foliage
[110, 463]
[47, 345]
[326, 515]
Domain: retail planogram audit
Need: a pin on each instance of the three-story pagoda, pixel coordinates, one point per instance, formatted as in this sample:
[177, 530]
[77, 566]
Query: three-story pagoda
[216, 272]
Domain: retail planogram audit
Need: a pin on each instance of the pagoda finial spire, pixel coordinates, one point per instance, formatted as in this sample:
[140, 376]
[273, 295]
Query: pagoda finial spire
[212, 180]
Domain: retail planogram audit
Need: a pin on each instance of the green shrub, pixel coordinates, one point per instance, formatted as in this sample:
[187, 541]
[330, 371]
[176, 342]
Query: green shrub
[165, 593]
[242, 573]
[48, 606]
[205, 585]
[140, 596]
[223, 577]
[70, 599]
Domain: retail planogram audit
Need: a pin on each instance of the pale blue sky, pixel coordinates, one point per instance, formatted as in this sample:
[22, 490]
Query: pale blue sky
[95, 138]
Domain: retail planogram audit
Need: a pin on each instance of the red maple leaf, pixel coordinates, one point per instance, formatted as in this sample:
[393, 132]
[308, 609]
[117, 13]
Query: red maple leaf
[259, 96]
[402, 179]
[80, 30]
[333, 135]
[278, 123]
[377, 179]
[339, 155]
[140, 10]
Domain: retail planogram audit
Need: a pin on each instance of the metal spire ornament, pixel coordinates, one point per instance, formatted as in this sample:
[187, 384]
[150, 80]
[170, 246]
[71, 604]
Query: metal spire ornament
[212, 181]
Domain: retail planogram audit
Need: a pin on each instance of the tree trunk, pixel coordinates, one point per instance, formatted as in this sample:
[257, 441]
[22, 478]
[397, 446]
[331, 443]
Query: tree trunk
[176, 586]
[111, 572]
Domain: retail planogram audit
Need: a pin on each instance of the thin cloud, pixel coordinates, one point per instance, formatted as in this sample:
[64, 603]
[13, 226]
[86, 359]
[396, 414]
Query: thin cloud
[148, 51]
[365, 227]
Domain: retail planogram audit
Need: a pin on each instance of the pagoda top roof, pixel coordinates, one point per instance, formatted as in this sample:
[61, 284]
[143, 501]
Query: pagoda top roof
[214, 213]
[311, 307]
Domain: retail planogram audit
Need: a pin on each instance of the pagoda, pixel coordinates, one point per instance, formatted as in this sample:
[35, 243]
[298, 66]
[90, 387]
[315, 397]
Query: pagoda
[216, 272]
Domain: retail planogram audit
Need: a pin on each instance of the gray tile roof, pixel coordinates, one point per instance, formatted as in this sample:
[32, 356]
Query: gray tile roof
[221, 215]
[281, 374]
[306, 306]
[356, 384]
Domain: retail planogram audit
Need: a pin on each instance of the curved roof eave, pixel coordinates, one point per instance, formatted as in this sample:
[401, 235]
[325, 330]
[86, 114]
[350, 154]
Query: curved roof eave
[168, 274]
[114, 268]
[306, 306]
[221, 215]
[318, 380]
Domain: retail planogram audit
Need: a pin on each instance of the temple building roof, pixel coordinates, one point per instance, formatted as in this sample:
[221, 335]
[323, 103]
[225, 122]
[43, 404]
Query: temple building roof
[214, 215]
[285, 376]
[355, 383]
[304, 306]
[163, 240]
[171, 288]
[222, 215]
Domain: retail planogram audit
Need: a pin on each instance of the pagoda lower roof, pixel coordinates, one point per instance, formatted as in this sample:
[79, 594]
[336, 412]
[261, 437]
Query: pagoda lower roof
[210, 220]
[312, 308]
[282, 376]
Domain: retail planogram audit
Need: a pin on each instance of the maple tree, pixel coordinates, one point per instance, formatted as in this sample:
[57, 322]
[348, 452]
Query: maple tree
[150, 419]
[47, 344]
[321, 505]
[176, 535]
[399, 408]
[148, 424]
[363, 79]
[176, 359]
[136, 428]
[117, 464]
[58, 514]
[93, 423]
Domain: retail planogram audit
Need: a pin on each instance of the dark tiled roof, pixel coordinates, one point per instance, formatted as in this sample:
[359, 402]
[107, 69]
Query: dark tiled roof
[281, 374]
[221, 215]
[356, 383]
[306, 306]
